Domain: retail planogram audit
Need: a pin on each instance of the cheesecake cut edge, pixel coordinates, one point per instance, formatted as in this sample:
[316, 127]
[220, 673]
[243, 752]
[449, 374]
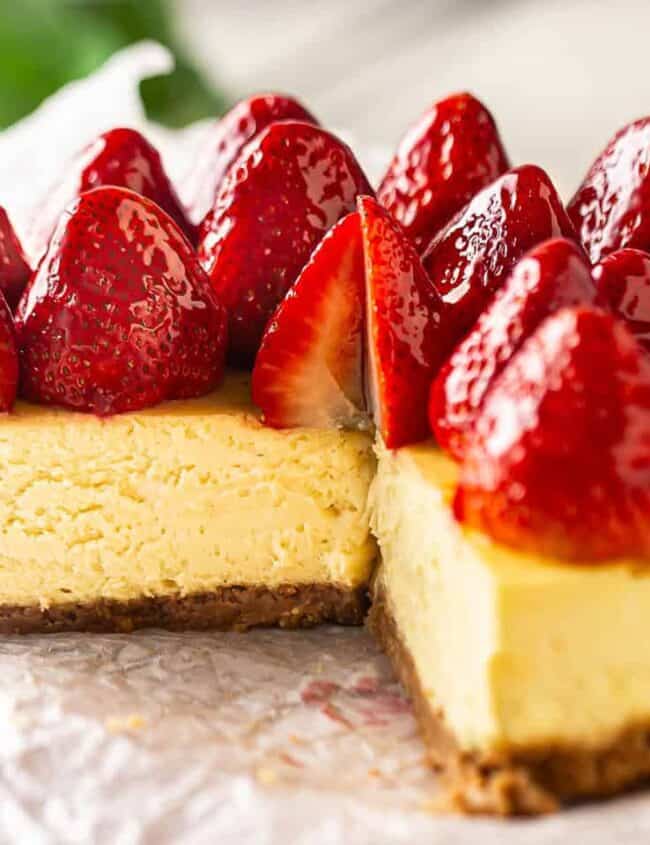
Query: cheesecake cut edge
[227, 608]
[530, 781]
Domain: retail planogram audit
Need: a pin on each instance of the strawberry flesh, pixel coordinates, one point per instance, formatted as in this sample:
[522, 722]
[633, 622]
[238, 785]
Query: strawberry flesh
[120, 157]
[406, 345]
[308, 370]
[553, 275]
[231, 133]
[473, 254]
[14, 269]
[285, 191]
[119, 314]
[611, 208]
[452, 152]
[559, 462]
[623, 280]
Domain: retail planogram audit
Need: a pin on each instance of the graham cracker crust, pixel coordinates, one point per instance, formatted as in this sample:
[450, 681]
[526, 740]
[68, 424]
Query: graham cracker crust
[529, 782]
[224, 609]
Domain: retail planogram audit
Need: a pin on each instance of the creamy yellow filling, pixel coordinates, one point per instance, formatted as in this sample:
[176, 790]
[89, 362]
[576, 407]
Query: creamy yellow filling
[517, 650]
[184, 497]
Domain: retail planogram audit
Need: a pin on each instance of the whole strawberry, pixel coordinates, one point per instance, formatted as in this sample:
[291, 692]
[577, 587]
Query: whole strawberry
[14, 269]
[231, 133]
[309, 368]
[444, 159]
[472, 255]
[119, 314]
[611, 209]
[286, 189]
[404, 316]
[551, 276]
[120, 157]
[559, 462]
[623, 280]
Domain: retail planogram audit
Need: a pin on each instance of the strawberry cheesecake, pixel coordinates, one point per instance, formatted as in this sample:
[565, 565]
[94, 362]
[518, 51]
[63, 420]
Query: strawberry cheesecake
[435, 399]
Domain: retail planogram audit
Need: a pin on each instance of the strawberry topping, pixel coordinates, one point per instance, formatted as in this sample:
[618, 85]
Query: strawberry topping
[308, 370]
[14, 269]
[551, 276]
[611, 209]
[472, 255]
[286, 189]
[559, 462]
[444, 159]
[119, 314]
[406, 344]
[623, 280]
[8, 358]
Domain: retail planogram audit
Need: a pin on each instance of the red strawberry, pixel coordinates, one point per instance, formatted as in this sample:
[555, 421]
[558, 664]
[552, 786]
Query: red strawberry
[8, 358]
[14, 270]
[551, 276]
[559, 463]
[611, 209]
[119, 314]
[121, 157]
[470, 258]
[452, 152]
[623, 280]
[235, 129]
[308, 371]
[404, 317]
[286, 189]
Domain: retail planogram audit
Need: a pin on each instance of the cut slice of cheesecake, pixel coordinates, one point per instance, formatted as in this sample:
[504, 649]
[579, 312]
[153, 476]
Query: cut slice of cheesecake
[190, 514]
[530, 676]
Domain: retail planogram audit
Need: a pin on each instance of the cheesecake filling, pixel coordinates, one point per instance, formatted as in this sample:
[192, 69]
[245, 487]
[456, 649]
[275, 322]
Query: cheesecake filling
[517, 652]
[181, 499]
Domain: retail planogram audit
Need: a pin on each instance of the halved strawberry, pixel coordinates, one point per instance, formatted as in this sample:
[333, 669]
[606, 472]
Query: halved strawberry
[8, 358]
[120, 157]
[231, 133]
[119, 314]
[286, 189]
[472, 255]
[559, 463]
[551, 276]
[308, 370]
[406, 345]
[14, 270]
[623, 280]
[611, 208]
[444, 159]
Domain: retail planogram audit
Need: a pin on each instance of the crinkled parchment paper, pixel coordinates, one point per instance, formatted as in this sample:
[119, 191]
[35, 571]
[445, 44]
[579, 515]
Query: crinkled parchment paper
[268, 737]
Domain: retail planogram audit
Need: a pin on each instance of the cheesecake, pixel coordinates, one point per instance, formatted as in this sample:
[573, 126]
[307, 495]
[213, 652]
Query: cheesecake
[190, 514]
[530, 677]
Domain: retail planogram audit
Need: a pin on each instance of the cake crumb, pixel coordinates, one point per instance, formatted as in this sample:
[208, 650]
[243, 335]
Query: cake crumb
[266, 776]
[126, 724]
[374, 773]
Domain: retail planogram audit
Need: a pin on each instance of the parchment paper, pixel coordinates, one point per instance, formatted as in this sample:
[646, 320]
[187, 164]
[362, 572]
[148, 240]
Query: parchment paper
[269, 737]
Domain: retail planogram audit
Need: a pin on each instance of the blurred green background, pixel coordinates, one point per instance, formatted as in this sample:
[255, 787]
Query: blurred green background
[46, 43]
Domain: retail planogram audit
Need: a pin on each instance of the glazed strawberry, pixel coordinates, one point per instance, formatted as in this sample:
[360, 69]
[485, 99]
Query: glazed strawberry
[623, 280]
[406, 345]
[14, 270]
[472, 255]
[559, 463]
[287, 188]
[611, 209]
[119, 314]
[8, 358]
[121, 157]
[452, 152]
[551, 276]
[308, 371]
[231, 133]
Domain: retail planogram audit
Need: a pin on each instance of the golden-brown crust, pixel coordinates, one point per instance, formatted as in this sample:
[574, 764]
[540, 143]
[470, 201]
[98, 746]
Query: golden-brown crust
[235, 608]
[519, 782]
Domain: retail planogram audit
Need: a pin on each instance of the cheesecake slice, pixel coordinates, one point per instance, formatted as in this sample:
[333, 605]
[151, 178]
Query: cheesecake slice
[191, 514]
[530, 676]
